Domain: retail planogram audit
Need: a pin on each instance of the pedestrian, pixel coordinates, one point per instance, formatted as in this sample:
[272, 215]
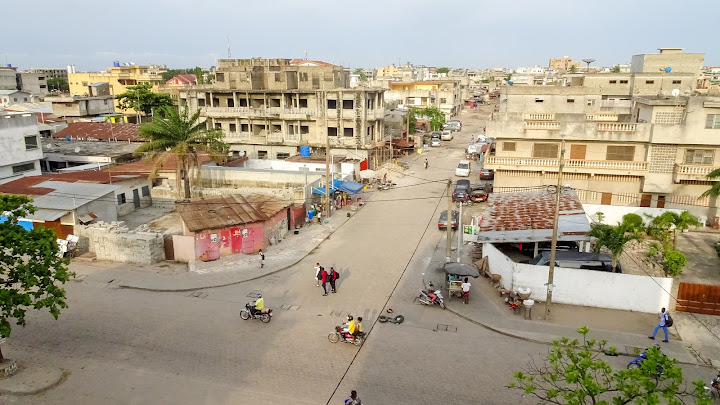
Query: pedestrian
[465, 290]
[319, 217]
[384, 178]
[472, 139]
[333, 276]
[323, 278]
[359, 327]
[483, 130]
[317, 274]
[353, 399]
[426, 163]
[262, 259]
[664, 317]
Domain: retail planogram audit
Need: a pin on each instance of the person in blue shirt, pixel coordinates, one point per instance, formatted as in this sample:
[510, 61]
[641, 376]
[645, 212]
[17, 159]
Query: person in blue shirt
[663, 320]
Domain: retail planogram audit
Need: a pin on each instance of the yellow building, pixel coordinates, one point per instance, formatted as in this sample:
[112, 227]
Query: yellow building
[119, 78]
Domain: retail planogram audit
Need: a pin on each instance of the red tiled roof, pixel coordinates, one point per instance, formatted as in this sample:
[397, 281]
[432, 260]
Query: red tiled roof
[145, 166]
[101, 131]
[298, 62]
[47, 118]
[229, 210]
[183, 79]
[25, 185]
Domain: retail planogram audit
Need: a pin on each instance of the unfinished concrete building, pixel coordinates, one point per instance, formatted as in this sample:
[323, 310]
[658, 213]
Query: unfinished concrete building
[270, 108]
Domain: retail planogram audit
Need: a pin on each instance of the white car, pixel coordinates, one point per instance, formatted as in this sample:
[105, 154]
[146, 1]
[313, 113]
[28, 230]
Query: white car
[463, 169]
[446, 135]
[435, 142]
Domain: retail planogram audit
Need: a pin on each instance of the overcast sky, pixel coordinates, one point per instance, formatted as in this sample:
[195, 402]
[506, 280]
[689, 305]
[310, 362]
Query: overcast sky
[91, 34]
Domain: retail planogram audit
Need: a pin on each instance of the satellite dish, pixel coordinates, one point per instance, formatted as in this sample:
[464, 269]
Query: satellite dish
[588, 61]
[668, 69]
[77, 149]
[675, 92]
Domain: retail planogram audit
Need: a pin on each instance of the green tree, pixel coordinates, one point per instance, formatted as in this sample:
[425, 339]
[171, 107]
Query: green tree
[29, 266]
[180, 135]
[432, 114]
[634, 222]
[613, 238]
[141, 98]
[616, 69]
[713, 191]
[58, 83]
[669, 220]
[443, 70]
[674, 262]
[572, 69]
[574, 373]
[360, 72]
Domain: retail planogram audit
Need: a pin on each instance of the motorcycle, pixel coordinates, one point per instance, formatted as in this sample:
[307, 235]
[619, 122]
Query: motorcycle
[713, 391]
[642, 357]
[341, 335]
[265, 315]
[425, 299]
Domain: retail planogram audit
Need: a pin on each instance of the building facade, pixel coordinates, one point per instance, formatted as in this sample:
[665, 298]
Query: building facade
[8, 78]
[445, 95]
[72, 108]
[33, 83]
[118, 78]
[565, 63]
[270, 108]
[20, 143]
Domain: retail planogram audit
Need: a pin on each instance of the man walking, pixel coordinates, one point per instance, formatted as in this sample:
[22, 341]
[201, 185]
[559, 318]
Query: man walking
[332, 276]
[317, 274]
[465, 290]
[662, 324]
[426, 163]
[353, 399]
[323, 278]
[262, 259]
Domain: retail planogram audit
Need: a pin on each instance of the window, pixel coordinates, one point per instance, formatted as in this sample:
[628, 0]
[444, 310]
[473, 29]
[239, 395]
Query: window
[624, 153]
[699, 156]
[15, 99]
[677, 82]
[106, 102]
[233, 127]
[41, 77]
[303, 102]
[26, 167]
[332, 131]
[545, 150]
[244, 127]
[42, 86]
[623, 81]
[332, 104]
[443, 100]
[649, 81]
[304, 129]
[348, 104]
[218, 125]
[570, 100]
[712, 121]
[613, 81]
[145, 191]
[591, 102]
[508, 146]
[31, 142]
[230, 102]
[220, 77]
[84, 83]
[262, 154]
[348, 132]
[282, 155]
[278, 77]
[539, 100]
[121, 199]
[201, 102]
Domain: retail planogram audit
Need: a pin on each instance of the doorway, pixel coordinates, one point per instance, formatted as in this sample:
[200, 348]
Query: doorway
[578, 152]
[645, 200]
[606, 199]
[661, 201]
[136, 198]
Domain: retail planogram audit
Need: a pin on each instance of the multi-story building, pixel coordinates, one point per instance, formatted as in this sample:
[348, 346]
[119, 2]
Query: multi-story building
[20, 143]
[446, 95]
[119, 78]
[98, 102]
[270, 108]
[33, 83]
[643, 139]
[52, 73]
[9, 97]
[8, 78]
[565, 63]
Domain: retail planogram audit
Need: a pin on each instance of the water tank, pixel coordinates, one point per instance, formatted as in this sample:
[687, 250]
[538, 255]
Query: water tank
[9, 65]
[305, 151]
[116, 63]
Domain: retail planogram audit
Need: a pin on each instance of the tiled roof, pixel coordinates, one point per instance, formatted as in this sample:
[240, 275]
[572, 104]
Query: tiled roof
[146, 166]
[528, 217]
[101, 131]
[300, 62]
[184, 79]
[225, 211]
[27, 185]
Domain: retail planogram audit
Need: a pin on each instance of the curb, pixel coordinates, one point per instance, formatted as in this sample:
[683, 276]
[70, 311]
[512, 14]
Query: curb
[64, 374]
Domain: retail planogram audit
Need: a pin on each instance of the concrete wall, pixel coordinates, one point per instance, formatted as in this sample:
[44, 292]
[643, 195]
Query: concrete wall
[613, 213]
[127, 188]
[103, 208]
[184, 248]
[34, 83]
[113, 242]
[13, 130]
[8, 78]
[586, 287]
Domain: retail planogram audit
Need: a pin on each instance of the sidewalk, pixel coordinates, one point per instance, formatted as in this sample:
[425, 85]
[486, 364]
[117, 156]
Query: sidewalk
[232, 269]
[484, 311]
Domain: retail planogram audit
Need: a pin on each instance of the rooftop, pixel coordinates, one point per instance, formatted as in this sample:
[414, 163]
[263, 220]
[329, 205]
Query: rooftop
[225, 211]
[528, 217]
[145, 166]
[33, 185]
[304, 62]
[88, 148]
[184, 79]
[101, 131]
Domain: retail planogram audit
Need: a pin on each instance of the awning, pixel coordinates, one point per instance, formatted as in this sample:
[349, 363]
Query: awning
[349, 187]
[87, 218]
[46, 215]
[333, 187]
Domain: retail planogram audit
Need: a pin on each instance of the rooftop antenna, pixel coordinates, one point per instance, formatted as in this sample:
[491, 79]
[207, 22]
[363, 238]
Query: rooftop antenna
[588, 61]
[228, 47]
[306, 55]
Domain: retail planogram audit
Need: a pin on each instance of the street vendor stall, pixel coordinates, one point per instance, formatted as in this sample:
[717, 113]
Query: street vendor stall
[456, 273]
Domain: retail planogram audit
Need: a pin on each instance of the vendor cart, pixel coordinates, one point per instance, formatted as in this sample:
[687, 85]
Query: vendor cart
[456, 273]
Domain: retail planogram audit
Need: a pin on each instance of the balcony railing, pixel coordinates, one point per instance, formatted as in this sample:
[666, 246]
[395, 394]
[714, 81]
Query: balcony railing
[616, 127]
[275, 137]
[238, 136]
[540, 125]
[602, 117]
[692, 172]
[539, 117]
[569, 163]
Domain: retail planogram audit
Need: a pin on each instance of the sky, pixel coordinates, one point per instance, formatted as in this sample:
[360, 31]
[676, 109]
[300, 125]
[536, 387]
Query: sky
[91, 34]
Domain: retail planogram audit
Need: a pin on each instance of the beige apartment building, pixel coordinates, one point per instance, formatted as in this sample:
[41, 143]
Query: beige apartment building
[564, 63]
[626, 143]
[270, 108]
[446, 95]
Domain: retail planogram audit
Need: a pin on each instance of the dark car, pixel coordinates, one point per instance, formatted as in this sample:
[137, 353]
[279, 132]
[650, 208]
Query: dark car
[529, 247]
[487, 174]
[443, 220]
[577, 260]
[462, 191]
[486, 187]
[478, 196]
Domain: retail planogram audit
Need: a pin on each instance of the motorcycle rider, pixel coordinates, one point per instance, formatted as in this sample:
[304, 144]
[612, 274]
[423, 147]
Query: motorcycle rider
[349, 327]
[359, 327]
[431, 293]
[259, 305]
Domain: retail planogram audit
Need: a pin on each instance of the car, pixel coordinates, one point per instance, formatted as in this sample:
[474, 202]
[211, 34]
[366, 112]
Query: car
[577, 260]
[443, 220]
[472, 149]
[463, 168]
[446, 135]
[487, 174]
[452, 126]
[435, 142]
[436, 134]
[529, 247]
[486, 187]
[462, 191]
[478, 196]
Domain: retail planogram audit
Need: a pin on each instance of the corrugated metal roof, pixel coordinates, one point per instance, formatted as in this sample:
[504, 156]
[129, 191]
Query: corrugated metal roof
[68, 196]
[101, 131]
[528, 217]
[46, 214]
[225, 211]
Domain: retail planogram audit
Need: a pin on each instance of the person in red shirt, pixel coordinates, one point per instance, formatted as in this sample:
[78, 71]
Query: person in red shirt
[324, 279]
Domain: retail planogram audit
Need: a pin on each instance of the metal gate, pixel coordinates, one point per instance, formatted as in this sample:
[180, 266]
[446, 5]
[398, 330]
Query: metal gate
[699, 298]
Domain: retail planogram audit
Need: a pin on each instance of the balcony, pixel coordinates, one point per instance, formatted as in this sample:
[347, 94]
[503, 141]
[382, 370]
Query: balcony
[276, 137]
[618, 106]
[242, 112]
[237, 136]
[297, 113]
[616, 127]
[539, 117]
[541, 125]
[601, 117]
[571, 165]
[692, 172]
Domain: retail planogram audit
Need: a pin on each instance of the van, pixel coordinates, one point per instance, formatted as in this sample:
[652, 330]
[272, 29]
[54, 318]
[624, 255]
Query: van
[446, 135]
[463, 168]
[577, 260]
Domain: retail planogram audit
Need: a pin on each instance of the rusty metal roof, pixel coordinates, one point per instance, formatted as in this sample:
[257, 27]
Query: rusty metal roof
[528, 217]
[102, 131]
[224, 211]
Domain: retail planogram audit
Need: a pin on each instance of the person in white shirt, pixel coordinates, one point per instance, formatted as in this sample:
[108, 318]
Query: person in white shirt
[317, 274]
[465, 290]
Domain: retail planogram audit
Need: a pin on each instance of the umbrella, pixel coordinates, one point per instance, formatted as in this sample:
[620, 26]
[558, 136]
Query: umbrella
[461, 269]
[367, 174]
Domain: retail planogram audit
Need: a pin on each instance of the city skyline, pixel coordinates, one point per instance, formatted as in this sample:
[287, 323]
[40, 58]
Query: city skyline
[371, 35]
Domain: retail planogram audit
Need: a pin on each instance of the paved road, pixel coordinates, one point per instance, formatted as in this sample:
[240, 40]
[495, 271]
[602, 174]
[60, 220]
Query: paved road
[135, 347]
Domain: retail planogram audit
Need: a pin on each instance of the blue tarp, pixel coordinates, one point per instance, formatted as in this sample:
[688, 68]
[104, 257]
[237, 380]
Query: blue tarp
[333, 187]
[349, 187]
[28, 225]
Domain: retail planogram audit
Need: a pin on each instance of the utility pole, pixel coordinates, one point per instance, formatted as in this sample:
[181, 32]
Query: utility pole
[448, 244]
[327, 176]
[553, 245]
[460, 233]
[407, 127]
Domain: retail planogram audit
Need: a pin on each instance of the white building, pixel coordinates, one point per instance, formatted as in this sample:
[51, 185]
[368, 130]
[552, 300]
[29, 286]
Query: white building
[20, 145]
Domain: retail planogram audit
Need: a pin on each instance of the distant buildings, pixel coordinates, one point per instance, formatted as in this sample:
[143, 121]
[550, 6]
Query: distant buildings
[565, 63]
[97, 102]
[445, 95]
[10, 97]
[20, 145]
[8, 78]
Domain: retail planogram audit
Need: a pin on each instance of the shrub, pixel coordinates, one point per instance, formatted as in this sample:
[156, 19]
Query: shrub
[717, 248]
[633, 222]
[653, 249]
[674, 262]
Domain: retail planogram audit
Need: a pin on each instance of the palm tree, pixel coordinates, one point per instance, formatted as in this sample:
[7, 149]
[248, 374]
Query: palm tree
[678, 222]
[182, 136]
[613, 238]
[714, 191]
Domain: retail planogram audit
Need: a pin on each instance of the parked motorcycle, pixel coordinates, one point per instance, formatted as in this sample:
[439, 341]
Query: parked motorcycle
[642, 357]
[265, 315]
[713, 391]
[341, 335]
[425, 299]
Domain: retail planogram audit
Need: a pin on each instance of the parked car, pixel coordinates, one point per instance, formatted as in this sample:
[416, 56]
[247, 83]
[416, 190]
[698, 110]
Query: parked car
[435, 142]
[454, 126]
[446, 135]
[463, 168]
[436, 134]
[577, 260]
[462, 191]
[478, 196]
[487, 174]
[529, 247]
[473, 148]
[443, 220]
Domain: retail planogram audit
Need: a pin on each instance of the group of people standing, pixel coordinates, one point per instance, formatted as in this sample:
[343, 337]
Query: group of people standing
[324, 277]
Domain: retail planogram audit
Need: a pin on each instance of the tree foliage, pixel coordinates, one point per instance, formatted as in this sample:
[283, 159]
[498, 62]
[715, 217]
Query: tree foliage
[574, 373]
[634, 222]
[616, 69]
[613, 238]
[141, 98]
[674, 262]
[713, 191]
[572, 69]
[183, 136]
[661, 226]
[58, 84]
[432, 114]
[443, 70]
[361, 73]
[29, 266]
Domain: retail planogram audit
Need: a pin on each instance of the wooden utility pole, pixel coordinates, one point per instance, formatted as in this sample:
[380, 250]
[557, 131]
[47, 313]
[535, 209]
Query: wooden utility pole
[448, 244]
[407, 126]
[328, 180]
[553, 245]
